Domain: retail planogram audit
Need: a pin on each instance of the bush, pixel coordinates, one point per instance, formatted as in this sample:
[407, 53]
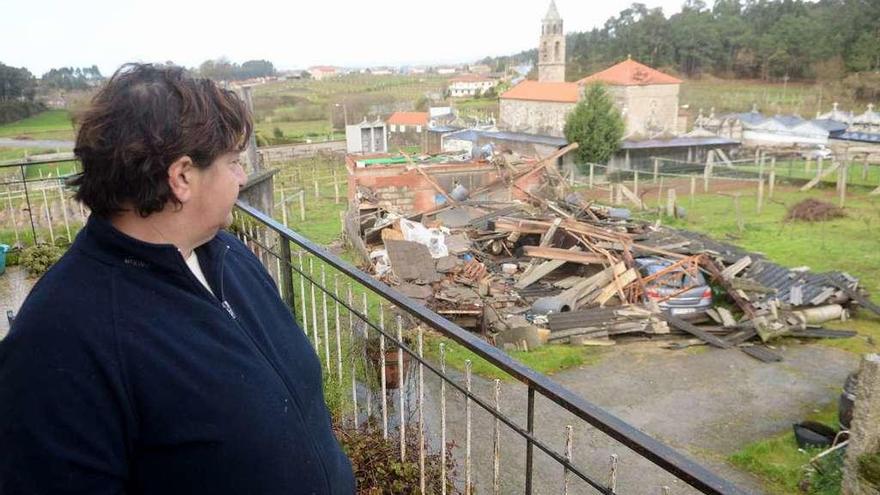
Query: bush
[38, 259]
[277, 132]
[10, 111]
[377, 465]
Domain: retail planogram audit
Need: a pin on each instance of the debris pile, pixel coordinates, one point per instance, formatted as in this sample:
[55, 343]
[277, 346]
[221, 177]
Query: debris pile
[813, 210]
[556, 268]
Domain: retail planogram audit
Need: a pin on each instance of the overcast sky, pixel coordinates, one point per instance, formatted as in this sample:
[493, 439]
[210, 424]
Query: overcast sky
[42, 34]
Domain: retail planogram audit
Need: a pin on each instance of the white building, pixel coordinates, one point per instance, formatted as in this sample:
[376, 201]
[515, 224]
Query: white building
[470, 86]
[367, 137]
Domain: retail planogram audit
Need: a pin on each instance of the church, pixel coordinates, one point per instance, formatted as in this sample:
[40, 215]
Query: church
[646, 98]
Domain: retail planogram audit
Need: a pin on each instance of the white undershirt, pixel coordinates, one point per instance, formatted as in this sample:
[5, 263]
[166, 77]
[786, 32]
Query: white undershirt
[193, 263]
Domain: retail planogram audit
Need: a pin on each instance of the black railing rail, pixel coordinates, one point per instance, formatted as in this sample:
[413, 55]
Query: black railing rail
[667, 458]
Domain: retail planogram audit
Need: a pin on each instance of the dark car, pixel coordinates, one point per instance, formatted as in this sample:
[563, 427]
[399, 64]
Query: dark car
[678, 291]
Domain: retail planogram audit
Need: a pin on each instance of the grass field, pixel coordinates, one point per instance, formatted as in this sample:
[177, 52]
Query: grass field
[51, 124]
[726, 96]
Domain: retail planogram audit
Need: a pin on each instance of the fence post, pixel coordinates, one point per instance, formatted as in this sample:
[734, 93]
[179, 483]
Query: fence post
[284, 209]
[12, 215]
[636, 183]
[842, 175]
[760, 205]
[772, 178]
[693, 189]
[656, 169]
[302, 205]
[591, 175]
[670, 203]
[27, 197]
[335, 189]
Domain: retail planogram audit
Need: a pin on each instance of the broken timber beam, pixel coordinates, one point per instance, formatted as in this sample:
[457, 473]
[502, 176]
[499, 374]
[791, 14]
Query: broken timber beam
[854, 295]
[820, 176]
[706, 337]
[542, 270]
[563, 254]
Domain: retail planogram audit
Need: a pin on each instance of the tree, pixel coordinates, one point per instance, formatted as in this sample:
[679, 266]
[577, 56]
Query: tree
[595, 125]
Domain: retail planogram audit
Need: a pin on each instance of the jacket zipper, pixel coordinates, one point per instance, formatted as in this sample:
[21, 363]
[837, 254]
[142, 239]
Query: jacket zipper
[224, 304]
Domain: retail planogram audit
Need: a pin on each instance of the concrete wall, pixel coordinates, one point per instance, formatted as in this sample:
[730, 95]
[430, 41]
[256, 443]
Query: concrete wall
[534, 117]
[647, 106]
[410, 137]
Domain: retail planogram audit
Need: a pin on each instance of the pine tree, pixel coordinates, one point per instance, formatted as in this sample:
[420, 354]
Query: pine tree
[595, 125]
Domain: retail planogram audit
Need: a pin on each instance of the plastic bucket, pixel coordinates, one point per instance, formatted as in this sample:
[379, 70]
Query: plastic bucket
[3, 249]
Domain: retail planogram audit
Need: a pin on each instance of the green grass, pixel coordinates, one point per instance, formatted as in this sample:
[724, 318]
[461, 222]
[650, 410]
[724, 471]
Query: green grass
[9, 154]
[548, 359]
[51, 124]
[779, 463]
[771, 98]
[315, 130]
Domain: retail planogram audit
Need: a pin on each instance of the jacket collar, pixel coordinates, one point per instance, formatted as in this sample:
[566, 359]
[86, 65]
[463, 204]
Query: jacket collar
[102, 239]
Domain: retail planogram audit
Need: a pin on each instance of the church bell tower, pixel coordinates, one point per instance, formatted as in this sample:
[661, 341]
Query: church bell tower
[551, 49]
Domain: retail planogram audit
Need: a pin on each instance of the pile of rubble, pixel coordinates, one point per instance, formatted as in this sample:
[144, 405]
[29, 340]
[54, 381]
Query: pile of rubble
[556, 268]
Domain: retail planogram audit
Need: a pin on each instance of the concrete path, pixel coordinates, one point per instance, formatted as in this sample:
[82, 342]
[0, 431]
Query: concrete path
[706, 404]
[35, 143]
[14, 287]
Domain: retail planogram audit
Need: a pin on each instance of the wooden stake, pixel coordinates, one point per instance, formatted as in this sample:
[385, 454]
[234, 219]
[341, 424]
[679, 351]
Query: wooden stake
[317, 192]
[636, 183]
[48, 214]
[656, 169]
[302, 205]
[740, 225]
[335, 189]
[284, 209]
[660, 194]
[12, 215]
[841, 180]
[670, 203]
[760, 205]
[64, 212]
[772, 178]
[591, 175]
[693, 189]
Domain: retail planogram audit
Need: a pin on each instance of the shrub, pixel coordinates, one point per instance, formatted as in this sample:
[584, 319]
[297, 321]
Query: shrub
[277, 133]
[37, 259]
[377, 465]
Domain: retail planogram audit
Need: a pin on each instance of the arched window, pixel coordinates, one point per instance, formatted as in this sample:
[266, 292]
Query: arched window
[556, 51]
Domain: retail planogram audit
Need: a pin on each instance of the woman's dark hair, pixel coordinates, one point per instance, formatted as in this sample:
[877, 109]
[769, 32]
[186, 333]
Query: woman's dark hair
[139, 123]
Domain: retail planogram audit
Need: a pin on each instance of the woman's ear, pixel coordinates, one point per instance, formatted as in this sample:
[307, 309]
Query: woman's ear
[180, 174]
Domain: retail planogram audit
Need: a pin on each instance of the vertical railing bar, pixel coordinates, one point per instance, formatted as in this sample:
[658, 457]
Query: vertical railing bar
[467, 421]
[369, 397]
[383, 379]
[566, 475]
[302, 291]
[400, 387]
[280, 282]
[326, 319]
[421, 411]
[443, 419]
[286, 277]
[530, 425]
[496, 443]
[337, 321]
[317, 341]
[354, 397]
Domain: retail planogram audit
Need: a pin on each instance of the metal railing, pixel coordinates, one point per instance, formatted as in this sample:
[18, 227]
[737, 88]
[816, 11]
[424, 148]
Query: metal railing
[447, 404]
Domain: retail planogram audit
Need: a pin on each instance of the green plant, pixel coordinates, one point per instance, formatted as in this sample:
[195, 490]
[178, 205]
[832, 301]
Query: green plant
[378, 468]
[277, 132]
[869, 468]
[37, 259]
[595, 125]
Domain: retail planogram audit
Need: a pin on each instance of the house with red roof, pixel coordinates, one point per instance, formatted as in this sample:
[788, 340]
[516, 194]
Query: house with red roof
[407, 129]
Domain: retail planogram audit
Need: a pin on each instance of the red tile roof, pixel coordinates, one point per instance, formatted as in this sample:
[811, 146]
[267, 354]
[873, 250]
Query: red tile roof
[562, 92]
[408, 118]
[630, 73]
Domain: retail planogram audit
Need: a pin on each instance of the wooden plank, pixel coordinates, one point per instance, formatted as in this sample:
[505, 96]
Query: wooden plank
[632, 196]
[740, 301]
[734, 269]
[762, 354]
[541, 271]
[819, 176]
[589, 285]
[616, 286]
[684, 326]
[563, 254]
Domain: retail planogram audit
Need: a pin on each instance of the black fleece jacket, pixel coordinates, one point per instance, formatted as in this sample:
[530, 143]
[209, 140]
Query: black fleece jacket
[123, 374]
